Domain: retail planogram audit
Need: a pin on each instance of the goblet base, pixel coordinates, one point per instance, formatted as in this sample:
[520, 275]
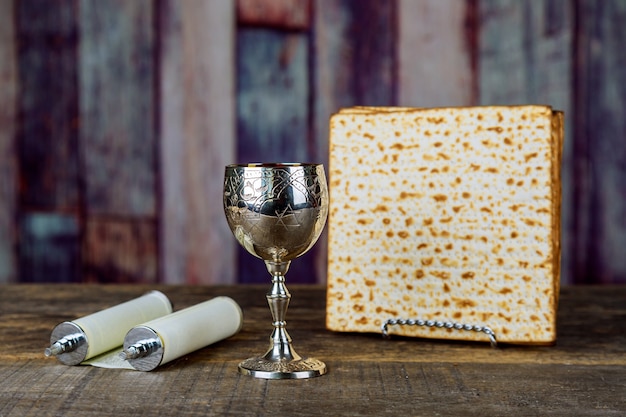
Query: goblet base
[282, 369]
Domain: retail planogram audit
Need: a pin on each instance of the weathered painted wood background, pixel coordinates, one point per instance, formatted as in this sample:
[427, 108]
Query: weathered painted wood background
[117, 117]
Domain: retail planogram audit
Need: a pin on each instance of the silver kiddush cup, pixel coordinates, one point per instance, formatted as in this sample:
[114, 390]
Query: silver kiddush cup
[277, 211]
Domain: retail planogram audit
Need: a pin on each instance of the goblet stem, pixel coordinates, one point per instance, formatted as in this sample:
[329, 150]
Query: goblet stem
[278, 299]
[280, 361]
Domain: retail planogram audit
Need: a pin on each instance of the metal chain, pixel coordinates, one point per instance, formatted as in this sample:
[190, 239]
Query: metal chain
[440, 324]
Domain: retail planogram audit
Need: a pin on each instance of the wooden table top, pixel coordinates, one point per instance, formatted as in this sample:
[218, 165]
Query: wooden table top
[583, 374]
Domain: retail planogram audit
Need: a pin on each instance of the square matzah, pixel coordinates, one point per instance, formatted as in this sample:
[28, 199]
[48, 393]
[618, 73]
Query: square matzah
[448, 214]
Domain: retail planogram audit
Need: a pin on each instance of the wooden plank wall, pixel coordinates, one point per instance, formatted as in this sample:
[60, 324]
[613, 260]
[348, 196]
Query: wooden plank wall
[273, 94]
[196, 95]
[47, 151]
[118, 140]
[117, 118]
[354, 63]
[447, 77]
[8, 127]
[525, 55]
[600, 142]
[295, 68]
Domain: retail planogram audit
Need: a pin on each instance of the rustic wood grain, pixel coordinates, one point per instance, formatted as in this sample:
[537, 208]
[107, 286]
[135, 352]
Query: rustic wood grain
[354, 64]
[126, 108]
[434, 65]
[272, 119]
[272, 88]
[600, 138]
[283, 14]
[117, 128]
[525, 57]
[197, 139]
[118, 250]
[332, 71]
[173, 226]
[47, 136]
[374, 67]
[581, 375]
[8, 160]
[332, 87]
[49, 248]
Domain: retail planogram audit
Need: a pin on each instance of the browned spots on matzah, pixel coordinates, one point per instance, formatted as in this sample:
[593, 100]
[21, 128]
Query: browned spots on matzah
[464, 303]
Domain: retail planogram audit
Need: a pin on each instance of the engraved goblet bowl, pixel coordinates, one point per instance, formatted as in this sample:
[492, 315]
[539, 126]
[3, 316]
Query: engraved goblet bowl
[277, 211]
